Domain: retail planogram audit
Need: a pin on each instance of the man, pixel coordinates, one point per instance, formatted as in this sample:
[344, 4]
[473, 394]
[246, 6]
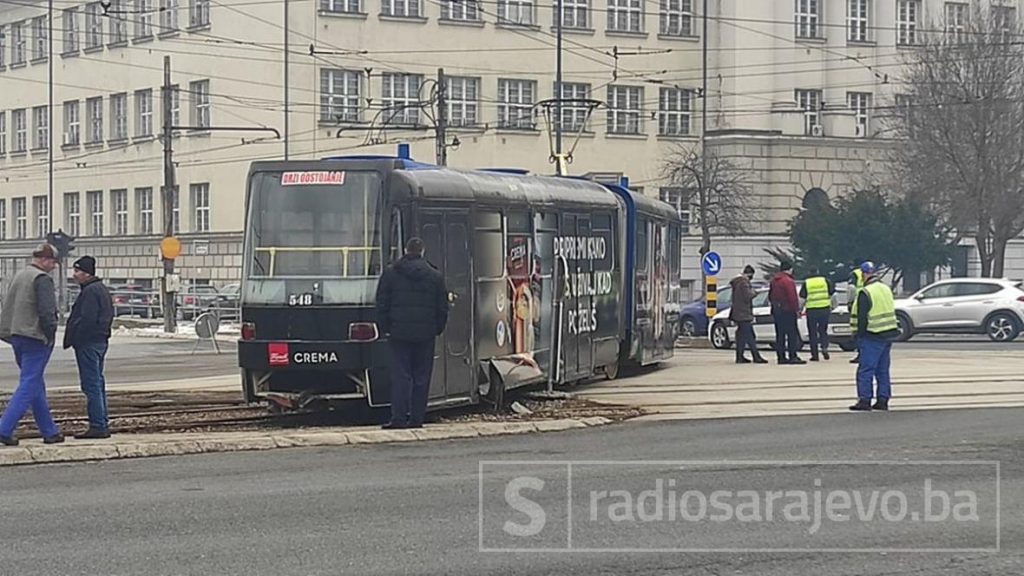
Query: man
[28, 322]
[853, 287]
[876, 329]
[412, 309]
[742, 313]
[785, 312]
[88, 332]
[817, 293]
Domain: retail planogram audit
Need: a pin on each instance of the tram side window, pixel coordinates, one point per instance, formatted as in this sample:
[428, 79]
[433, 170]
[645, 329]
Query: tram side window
[675, 251]
[641, 244]
[458, 243]
[395, 239]
[546, 225]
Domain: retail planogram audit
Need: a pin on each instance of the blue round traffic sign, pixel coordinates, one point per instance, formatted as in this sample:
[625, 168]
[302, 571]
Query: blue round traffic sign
[711, 263]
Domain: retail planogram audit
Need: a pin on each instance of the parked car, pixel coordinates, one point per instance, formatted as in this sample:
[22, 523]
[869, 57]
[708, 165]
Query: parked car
[994, 307]
[135, 300]
[723, 331]
[228, 301]
[195, 299]
[693, 318]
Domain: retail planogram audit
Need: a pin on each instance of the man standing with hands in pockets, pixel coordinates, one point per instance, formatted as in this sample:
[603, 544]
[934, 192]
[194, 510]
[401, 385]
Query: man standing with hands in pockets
[88, 332]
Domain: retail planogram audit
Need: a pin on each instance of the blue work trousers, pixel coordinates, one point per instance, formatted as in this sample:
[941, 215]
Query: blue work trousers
[31, 356]
[875, 359]
[90, 358]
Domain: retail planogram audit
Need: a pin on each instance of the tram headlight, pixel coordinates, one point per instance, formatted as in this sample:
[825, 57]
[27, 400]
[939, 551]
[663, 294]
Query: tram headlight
[362, 331]
[248, 331]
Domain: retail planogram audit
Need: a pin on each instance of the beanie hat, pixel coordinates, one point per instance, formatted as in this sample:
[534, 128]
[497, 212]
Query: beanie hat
[86, 264]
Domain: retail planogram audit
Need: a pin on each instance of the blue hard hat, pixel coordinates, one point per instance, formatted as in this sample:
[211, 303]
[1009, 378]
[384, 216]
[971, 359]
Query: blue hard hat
[867, 267]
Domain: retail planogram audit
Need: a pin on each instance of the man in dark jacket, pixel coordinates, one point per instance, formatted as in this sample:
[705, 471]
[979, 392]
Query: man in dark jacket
[785, 312]
[88, 332]
[742, 313]
[412, 310]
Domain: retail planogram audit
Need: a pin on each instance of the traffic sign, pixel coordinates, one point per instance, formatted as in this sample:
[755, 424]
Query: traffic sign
[170, 247]
[711, 263]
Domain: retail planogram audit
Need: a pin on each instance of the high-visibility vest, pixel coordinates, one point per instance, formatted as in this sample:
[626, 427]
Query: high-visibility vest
[882, 316]
[858, 277]
[817, 294]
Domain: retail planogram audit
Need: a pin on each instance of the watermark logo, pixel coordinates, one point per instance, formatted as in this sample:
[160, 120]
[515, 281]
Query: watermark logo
[739, 506]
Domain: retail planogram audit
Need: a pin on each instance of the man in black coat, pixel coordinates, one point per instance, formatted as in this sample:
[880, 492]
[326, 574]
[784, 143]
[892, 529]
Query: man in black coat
[412, 310]
[88, 332]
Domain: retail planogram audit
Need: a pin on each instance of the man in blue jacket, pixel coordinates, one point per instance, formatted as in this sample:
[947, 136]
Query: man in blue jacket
[412, 310]
[88, 332]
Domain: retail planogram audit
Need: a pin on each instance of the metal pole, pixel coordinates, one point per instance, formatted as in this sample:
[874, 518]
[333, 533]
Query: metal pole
[441, 130]
[704, 84]
[170, 323]
[286, 91]
[49, 120]
[558, 86]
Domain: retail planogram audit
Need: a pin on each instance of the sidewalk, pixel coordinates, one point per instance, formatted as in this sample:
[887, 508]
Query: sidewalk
[147, 445]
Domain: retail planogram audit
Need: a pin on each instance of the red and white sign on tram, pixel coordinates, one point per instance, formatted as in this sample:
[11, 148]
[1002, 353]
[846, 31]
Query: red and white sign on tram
[312, 178]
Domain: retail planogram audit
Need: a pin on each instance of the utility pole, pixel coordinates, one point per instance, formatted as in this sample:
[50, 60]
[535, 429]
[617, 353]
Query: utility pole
[62, 270]
[286, 91]
[558, 88]
[704, 105]
[441, 132]
[167, 290]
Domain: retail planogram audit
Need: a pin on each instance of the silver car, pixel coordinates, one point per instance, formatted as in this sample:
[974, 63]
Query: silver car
[964, 306]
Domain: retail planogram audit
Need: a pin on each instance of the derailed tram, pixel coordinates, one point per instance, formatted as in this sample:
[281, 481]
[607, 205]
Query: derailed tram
[537, 268]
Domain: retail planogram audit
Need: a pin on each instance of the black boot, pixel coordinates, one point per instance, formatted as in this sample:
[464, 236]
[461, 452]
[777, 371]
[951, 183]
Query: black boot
[881, 404]
[824, 354]
[55, 439]
[742, 360]
[855, 360]
[861, 406]
[760, 360]
[8, 440]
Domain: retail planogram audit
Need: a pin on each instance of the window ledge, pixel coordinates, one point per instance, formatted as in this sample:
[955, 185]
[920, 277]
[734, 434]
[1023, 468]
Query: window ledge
[467, 23]
[626, 136]
[142, 39]
[581, 31]
[93, 49]
[118, 44]
[17, 65]
[41, 60]
[866, 43]
[119, 143]
[679, 38]
[202, 132]
[517, 26]
[3, 67]
[343, 15]
[143, 139]
[198, 27]
[677, 137]
[168, 34]
[468, 129]
[811, 40]
[69, 147]
[625, 33]
[18, 154]
[517, 131]
[93, 145]
[69, 53]
[407, 19]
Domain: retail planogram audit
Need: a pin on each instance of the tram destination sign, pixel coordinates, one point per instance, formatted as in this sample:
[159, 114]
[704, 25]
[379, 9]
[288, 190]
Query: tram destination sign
[312, 178]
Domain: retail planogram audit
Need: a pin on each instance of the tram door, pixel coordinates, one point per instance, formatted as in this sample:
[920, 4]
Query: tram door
[579, 319]
[446, 237]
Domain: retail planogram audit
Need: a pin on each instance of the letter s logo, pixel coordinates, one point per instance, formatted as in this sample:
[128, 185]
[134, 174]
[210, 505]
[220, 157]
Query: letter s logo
[522, 504]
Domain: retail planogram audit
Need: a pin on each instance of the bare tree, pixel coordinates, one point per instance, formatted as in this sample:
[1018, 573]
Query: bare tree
[961, 119]
[716, 191]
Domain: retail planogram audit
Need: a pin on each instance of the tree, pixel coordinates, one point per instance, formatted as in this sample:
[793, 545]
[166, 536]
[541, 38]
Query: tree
[714, 188]
[961, 119]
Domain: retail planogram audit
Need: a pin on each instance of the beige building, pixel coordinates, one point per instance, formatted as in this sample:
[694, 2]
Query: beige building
[796, 90]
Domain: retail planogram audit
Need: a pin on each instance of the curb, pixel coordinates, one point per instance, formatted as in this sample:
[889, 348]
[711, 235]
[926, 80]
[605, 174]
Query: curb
[122, 446]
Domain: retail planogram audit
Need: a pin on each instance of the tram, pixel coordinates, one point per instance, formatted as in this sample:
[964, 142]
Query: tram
[551, 280]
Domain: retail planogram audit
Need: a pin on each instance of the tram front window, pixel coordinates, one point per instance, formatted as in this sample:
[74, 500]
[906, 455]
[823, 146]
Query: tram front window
[316, 233]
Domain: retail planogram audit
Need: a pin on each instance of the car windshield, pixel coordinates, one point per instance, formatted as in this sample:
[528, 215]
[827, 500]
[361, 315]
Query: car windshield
[761, 299]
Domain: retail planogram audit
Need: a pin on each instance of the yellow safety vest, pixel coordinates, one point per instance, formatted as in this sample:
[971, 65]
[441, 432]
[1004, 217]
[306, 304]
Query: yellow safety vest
[882, 316]
[858, 277]
[817, 294]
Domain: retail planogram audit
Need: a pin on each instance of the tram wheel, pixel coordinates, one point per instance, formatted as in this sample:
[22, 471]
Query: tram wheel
[611, 371]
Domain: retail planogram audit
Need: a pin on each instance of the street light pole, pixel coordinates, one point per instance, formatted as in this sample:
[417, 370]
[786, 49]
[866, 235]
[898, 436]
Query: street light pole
[558, 86]
[286, 91]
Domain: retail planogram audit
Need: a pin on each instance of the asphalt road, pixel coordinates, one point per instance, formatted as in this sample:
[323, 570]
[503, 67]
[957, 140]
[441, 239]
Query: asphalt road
[415, 509]
[131, 361]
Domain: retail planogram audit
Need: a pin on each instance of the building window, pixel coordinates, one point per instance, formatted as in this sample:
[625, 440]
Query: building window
[575, 14]
[860, 103]
[677, 17]
[339, 96]
[95, 200]
[40, 40]
[340, 6]
[20, 218]
[175, 211]
[675, 106]
[3, 219]
[463, 95]
[20, 128]
[515, 103]
[460, 10]
[169, 15]
[626, 15]
[199, 13]
[1006, 22]
[70, 30]
[200, 91]
[17, 43]
[40, 128]
[119, 117]
[808, 18]
[200, 194]
[956, 19]
[574, 110]
[93, 25]
[908, 14]
[401, 98]
[857, 20]
[175, 106]
[3, 46]
[41, 208]
[624, 109]
[516, 12]
[144, 206]
[72, 214]
[810, 102]
[94, 116]
[400, 8]
[119, 201]
[143, 19]
[143, 113]
[116, 13]
[72, 123]
[3, 133]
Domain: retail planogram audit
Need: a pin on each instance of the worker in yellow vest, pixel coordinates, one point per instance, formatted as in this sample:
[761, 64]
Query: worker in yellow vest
[876, 330]
[817, 293]
[854, 286]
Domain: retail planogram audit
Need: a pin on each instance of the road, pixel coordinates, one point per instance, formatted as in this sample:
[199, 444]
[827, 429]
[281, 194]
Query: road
[132, 361]
[414, 509]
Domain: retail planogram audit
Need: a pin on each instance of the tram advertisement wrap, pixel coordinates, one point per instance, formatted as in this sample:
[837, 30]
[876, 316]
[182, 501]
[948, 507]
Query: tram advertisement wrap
[589, 283]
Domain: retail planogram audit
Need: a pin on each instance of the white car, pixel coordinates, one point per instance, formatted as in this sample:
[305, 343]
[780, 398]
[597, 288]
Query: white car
[990, 306]
[722, 331]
